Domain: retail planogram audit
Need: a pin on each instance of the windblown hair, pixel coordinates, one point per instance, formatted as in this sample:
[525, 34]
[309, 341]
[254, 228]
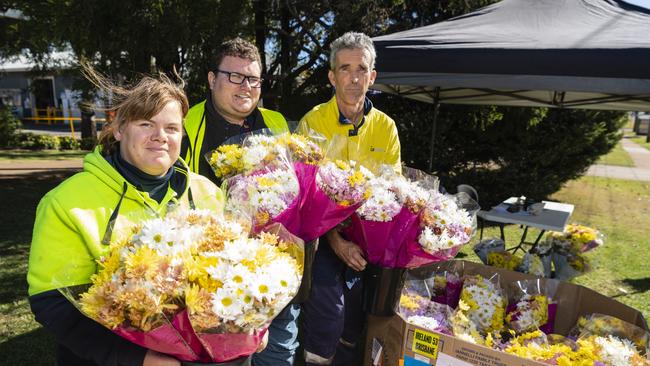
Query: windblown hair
[352, 41]
[237, 47]
[140, 101]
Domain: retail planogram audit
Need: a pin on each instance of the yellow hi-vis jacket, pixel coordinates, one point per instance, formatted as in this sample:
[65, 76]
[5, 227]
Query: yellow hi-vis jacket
[373, 143]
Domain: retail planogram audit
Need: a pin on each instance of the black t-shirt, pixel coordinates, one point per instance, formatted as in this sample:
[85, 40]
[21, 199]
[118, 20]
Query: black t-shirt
[217, 131]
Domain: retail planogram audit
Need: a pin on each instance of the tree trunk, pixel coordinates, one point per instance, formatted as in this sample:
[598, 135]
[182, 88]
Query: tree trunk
[88, 125]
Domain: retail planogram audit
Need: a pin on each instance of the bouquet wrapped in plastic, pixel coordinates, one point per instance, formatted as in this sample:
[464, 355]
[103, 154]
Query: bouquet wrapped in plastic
[445, 287]
[417, 307]
[288, 179]
[338, 190]
[170, 283]
[485, 247]
[504, 259]
[531, 306]
[568, 248]
[481, 310]
[374, 224]
[445, 226]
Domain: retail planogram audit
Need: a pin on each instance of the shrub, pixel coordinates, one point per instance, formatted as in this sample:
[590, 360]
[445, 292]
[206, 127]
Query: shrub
[31, 141]
[501, 151]
[69, 143]
[8, 128]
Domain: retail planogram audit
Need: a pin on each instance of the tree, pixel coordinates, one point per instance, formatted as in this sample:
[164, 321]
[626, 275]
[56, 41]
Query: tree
[491, 148]
[504, 151]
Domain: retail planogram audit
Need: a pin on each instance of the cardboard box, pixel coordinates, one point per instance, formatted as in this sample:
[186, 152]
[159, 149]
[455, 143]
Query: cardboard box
[392, 341]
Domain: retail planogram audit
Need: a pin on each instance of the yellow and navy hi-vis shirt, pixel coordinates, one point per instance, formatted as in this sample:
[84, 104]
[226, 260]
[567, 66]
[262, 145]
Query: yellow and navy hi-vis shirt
[374, 141]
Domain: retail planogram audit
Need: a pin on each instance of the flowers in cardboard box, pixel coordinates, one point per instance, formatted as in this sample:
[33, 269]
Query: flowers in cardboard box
[531, 312]
[481, 310]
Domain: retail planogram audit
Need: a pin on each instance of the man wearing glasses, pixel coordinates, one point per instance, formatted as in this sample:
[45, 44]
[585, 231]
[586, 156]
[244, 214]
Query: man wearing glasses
[230, 109]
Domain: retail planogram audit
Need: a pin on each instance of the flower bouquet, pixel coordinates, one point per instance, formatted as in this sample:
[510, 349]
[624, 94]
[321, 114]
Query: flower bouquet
[445, 226]
[269, 195]
[417, 307]
[481, 310]
[163, 286]
[372, 224]
[247, 282]
[485, 247]
[504, 259]
[421, 311]
[445, 287]
[531, 306]
[568, 248]
[338, 190]
[605, 325]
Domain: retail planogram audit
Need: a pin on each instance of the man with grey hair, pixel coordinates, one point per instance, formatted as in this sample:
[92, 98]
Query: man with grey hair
[332, 317]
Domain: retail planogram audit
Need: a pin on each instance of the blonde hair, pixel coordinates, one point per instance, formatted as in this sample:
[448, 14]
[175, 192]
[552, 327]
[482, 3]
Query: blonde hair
[136, 102]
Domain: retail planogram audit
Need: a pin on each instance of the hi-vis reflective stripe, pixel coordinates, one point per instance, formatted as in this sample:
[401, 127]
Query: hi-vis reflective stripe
[316, 359]
[425, 343]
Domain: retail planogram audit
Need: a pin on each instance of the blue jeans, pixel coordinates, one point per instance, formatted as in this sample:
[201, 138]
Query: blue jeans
[283, 339]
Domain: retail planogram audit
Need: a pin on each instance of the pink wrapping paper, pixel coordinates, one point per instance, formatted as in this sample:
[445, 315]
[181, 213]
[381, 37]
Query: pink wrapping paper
[289, 218]
[412, 255]
[405, 230]
[320, 214]
[372, 237]
[227, 347]
[167, 338]
[306, 174]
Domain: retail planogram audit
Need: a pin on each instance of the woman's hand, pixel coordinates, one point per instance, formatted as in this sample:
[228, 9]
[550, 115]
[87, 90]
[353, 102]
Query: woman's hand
[153, 358]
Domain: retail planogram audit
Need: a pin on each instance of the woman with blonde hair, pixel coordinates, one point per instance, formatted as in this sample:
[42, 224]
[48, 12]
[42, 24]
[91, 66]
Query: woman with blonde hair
[135, 172]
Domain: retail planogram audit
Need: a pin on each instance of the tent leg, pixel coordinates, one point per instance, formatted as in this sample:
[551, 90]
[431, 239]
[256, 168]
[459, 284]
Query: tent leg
[436, 107]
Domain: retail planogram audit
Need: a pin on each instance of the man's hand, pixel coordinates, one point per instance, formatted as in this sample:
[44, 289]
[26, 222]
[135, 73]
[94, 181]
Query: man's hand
[349, 252]
[153, 358]
[263, 343]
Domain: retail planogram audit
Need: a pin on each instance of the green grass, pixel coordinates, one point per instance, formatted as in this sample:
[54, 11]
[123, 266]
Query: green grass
[641, 141]
[618, 156]
[620, 209]
[10, 155]
[22, 340]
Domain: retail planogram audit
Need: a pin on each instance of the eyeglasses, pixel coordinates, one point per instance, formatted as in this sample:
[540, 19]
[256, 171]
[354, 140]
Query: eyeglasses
[237, 78]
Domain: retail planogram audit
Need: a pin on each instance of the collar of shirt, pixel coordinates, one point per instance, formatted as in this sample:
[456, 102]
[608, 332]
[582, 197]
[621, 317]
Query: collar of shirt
[367, 106]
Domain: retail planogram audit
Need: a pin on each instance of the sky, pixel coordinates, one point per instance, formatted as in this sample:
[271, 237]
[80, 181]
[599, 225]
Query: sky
[643, 3]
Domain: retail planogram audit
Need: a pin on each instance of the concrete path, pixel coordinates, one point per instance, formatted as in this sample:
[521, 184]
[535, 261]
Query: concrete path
[9, 169]
[640, 171]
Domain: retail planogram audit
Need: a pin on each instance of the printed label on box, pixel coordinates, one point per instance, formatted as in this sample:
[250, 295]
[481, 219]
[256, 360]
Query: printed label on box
[446, 360]
[425, 343]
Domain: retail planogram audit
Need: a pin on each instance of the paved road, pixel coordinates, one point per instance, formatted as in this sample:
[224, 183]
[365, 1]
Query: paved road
[10, 168]
[640, 171]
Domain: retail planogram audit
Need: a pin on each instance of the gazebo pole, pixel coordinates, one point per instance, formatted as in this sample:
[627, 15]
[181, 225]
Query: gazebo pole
[436, 107]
